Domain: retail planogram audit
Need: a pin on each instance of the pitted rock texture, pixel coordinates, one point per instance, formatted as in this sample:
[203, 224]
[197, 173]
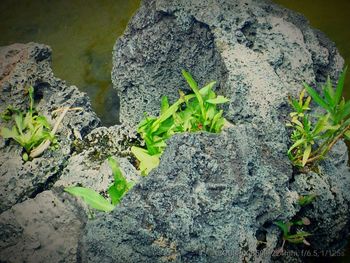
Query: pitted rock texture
[43, 229]
[24, 65]
[88, 165]
[149, 57]
[39, 223]
[215, 197]
[204, 203]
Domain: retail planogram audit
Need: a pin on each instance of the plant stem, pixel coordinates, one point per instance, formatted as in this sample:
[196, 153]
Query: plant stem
[337, 138]
[45, 144]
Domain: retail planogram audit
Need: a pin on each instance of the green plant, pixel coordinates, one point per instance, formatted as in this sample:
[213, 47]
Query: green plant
[314, 136]
[190, 113]
[116, 191]
[298, 236]
[30, 128]
[304, 200]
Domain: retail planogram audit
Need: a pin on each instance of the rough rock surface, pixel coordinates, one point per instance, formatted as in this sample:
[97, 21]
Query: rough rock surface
[204, 203]
[215, 197]
[88, 165]
[38, 225]
[24, 65]
[43, 229]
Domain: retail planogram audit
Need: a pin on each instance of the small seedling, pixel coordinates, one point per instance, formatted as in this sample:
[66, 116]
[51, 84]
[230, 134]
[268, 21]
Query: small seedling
[304, 200]
[190, 113]
[314, 136]
[30, 128]
[296, 238]
[116, 191]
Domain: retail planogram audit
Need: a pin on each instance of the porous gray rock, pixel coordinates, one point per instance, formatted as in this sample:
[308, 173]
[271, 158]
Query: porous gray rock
[206, 202]
[43, 229]
[215, 197]
[24, 65]
[88, 165]
[37, 224]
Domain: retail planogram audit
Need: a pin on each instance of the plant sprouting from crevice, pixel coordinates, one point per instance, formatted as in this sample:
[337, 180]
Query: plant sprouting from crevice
[30, 129]
[116, 191]
[313, 136]
[296, 235]
[190, 113]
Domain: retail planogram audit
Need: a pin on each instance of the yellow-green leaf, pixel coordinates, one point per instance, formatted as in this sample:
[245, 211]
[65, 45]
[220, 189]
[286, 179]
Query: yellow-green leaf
[147, 162]
[218, 100]
[306, 154]
[92, 198]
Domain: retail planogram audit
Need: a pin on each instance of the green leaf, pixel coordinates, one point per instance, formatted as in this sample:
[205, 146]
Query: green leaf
[215, 119]
[168, 113]
[340, 86]
[7, 133]
[306, 154]
[321, 125]
[92, 198]
[147, 162]
[296, 144]
[192, 83]
[120, 186]
[298, 237]
[19, 122]
[117, 173]
[346, 111]
[296, 105]
[42, 121]
[164, 104]
[347, 135]
[306, 199]
[211, 111]
[284, 227]
[328, 93]
[218, 100]
[317, 97]
[206, 89]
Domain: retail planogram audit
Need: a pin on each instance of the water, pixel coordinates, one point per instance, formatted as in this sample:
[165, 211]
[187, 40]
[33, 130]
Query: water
[81, 33]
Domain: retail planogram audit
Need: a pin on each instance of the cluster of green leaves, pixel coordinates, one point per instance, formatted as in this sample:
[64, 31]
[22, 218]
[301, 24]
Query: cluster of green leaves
[314, 136]
[190, 113]
[296, 237]
[30, 129]
[116, 191]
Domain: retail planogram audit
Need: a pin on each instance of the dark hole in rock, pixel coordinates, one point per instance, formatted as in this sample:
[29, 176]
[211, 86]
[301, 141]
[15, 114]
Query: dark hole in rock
[261, 237]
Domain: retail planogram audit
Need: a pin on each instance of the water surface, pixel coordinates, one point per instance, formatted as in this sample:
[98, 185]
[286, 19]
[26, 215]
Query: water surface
[81, 33]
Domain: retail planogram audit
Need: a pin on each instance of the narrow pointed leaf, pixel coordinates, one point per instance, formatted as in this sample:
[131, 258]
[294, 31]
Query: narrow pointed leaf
[92, 198]
[205, 90]
[340, 86]
[164, 104]
[218, 100]
[306, 154]
[346, 110]
[317, 97]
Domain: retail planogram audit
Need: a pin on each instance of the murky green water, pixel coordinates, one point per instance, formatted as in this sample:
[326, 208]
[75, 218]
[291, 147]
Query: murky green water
[81, 34]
